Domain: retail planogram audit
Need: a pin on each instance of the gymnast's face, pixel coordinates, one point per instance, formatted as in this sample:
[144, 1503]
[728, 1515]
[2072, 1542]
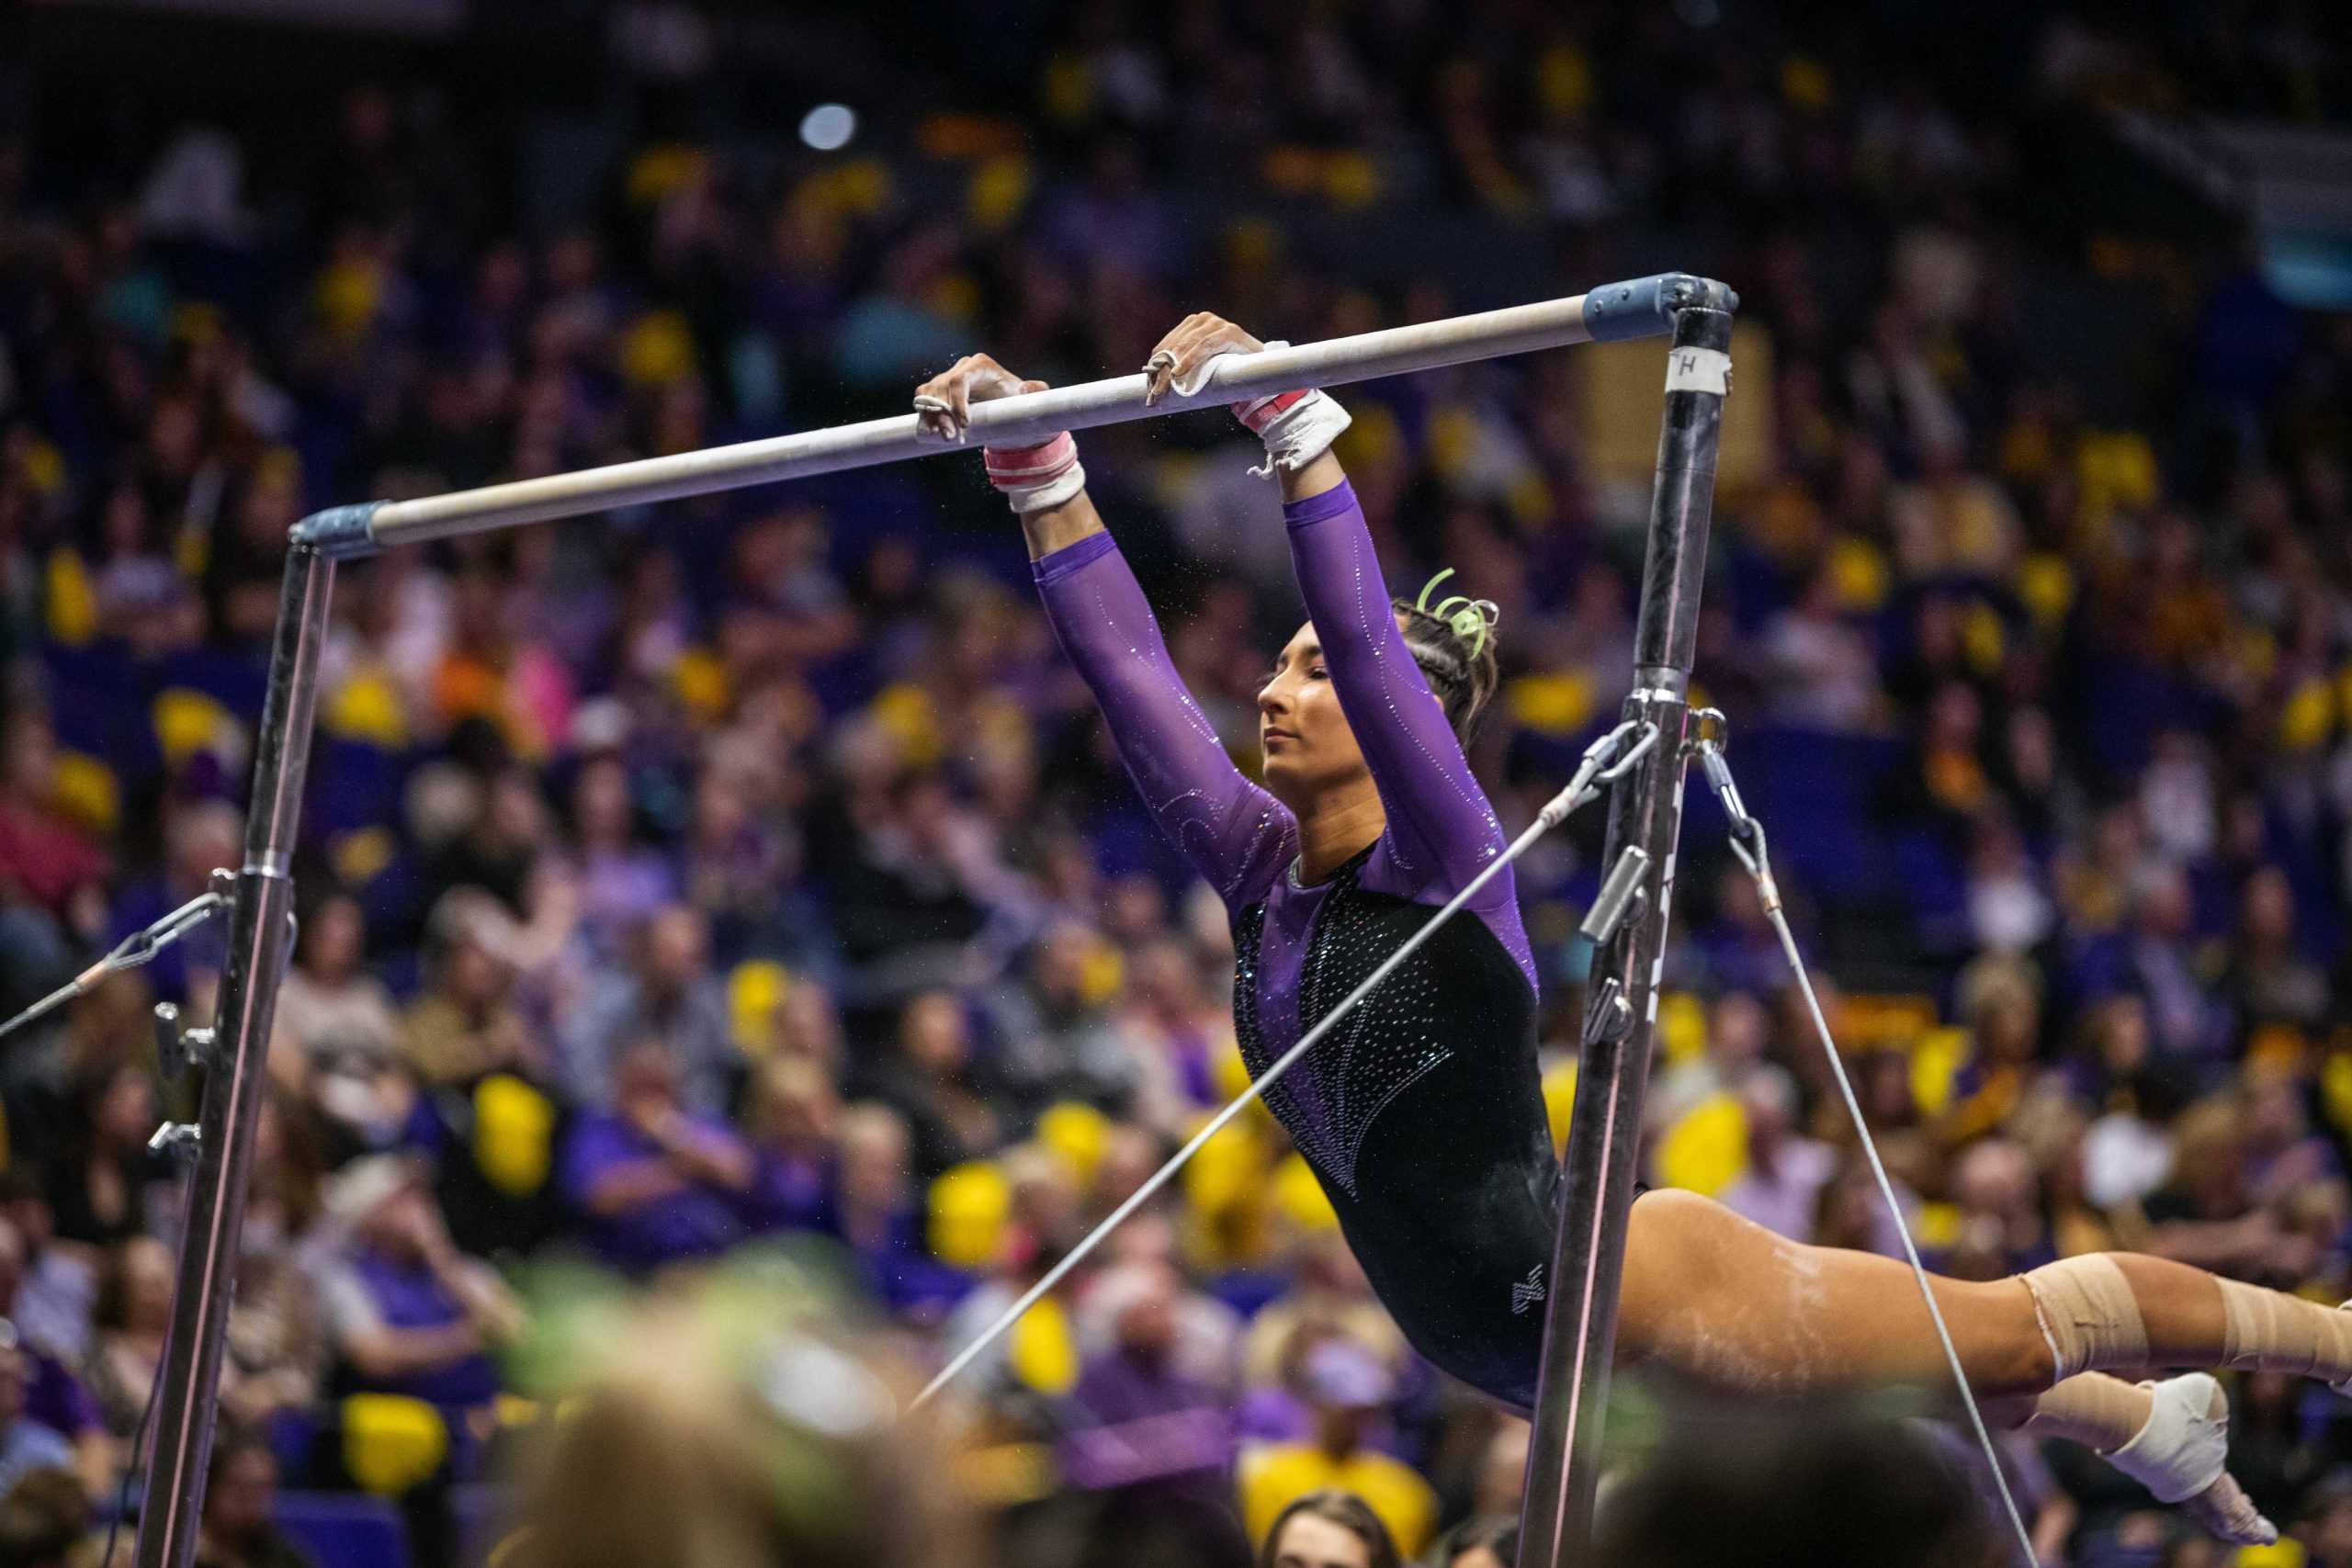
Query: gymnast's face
[1308, 748]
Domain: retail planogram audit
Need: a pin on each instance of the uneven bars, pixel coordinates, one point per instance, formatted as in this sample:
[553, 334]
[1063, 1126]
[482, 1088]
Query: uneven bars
[1640, 307]
[259, 934]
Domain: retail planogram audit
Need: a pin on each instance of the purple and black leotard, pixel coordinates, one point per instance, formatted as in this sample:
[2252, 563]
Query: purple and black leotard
[1422, 1115]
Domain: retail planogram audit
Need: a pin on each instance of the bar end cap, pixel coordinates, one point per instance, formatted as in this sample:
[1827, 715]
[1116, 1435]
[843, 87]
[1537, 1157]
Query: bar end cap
[339, 531]
[1645, 307]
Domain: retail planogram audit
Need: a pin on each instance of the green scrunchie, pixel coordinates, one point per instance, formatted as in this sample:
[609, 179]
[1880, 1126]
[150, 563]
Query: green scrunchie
[1471, 622]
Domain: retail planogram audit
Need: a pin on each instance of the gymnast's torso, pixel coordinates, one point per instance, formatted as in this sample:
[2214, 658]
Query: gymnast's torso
[1422, 1115]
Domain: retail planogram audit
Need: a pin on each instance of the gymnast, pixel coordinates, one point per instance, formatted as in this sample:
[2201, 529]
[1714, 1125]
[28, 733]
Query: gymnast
[1422, 1116]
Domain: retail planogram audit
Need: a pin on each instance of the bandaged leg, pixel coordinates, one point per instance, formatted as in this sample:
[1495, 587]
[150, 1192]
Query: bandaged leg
[2088, 1315]
[2100, 1412]
[2122, 1313]
[2171, 1436]
[2269, 1331]
[1726, 1303]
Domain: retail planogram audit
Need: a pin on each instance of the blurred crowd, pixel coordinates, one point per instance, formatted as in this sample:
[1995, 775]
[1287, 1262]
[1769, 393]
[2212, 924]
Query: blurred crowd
[752, 870]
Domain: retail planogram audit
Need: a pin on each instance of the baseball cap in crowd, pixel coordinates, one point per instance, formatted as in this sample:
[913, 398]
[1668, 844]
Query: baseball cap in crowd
[365, 1185]
[1342, 1373]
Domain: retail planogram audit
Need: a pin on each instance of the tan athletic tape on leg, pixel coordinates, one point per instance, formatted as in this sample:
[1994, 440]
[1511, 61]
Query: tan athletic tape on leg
[2277, 1333]
[2100, 1412]
[2089, 1315]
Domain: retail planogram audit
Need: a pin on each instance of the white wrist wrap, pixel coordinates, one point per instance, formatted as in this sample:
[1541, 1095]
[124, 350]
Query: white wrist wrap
[1035, 477]
[1297, 428]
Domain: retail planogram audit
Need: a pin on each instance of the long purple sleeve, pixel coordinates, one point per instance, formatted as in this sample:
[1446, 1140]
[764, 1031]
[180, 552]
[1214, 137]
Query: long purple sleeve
[1236, 835]
[1422, 1115]
[1442, 831]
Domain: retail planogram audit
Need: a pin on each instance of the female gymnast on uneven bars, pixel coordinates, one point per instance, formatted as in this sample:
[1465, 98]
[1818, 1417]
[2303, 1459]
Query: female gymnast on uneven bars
[1422, 1116]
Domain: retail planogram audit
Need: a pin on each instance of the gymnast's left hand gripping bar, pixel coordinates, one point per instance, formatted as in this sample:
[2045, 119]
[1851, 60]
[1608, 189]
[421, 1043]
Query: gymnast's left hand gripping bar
[1642, 308]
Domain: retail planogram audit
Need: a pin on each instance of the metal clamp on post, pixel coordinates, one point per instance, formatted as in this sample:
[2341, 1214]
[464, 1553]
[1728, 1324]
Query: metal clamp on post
[179, 1142]
[1746, 833]
[1608, 1016]
[1709, 738]
[178, 1049]
[1605, 761]
[1619, 896]
[140, 947]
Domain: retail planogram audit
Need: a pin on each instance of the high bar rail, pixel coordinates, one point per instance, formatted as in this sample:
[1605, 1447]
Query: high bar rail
[1639, 308]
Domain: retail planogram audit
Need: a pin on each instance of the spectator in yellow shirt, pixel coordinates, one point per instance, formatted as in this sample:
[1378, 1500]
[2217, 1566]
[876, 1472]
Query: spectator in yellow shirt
[1347, 1385]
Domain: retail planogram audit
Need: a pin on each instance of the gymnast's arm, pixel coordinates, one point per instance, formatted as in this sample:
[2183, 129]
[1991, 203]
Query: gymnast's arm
[1235, 834]
[1441, 826]
[1437, 813]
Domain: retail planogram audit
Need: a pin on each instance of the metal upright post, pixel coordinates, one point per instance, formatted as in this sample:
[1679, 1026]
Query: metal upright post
[260, 933]
[1645, 811]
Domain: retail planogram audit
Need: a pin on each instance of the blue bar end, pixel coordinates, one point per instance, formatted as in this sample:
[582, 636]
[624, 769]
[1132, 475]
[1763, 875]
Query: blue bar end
[1645, 307]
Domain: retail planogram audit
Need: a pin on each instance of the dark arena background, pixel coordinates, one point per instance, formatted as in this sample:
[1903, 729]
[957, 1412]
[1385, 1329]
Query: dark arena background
[703, 1014]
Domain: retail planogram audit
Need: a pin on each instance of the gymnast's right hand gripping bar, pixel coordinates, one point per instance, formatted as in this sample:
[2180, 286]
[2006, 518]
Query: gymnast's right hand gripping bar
[1642, 308]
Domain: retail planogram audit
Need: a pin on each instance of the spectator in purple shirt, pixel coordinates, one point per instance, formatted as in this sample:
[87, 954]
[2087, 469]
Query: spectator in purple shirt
[2283, 1154]
[2002, 1228]
[1134, 1418]
[406, 1312]
[55, 1289]
[879, 1219]
[2154, 958]
[623, 882]
[669, 991]
[795, 1120]
[53, 1397]
[1781, 1189]
[26, 1444]
[659, 1182]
